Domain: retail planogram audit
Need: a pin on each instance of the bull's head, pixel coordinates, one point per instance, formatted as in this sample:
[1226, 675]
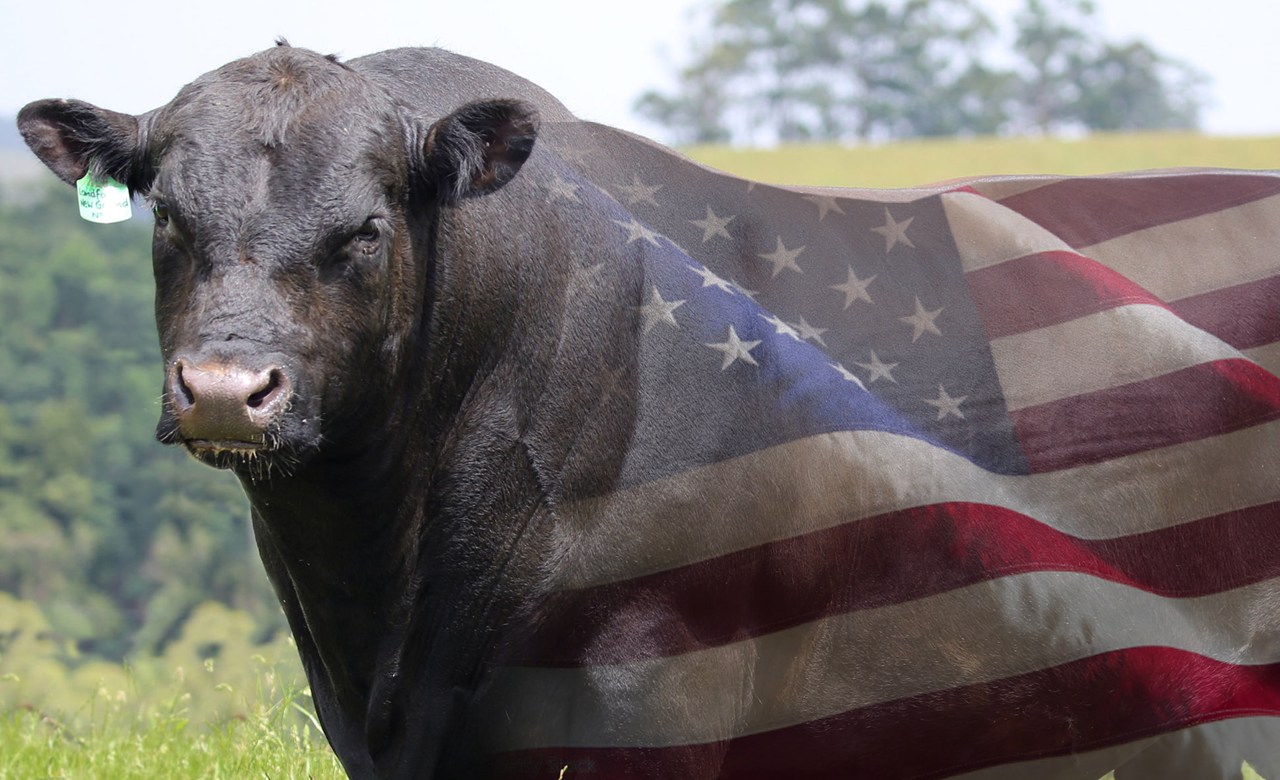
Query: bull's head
[293, 201]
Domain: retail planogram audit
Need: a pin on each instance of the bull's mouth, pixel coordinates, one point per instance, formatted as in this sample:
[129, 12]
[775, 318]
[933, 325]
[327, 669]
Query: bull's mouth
[255, 459]
[226, 445]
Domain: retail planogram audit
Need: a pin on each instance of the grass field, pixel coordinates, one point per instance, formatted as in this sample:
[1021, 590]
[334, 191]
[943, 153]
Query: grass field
[115, 739]
[916, 163]
[34, 746]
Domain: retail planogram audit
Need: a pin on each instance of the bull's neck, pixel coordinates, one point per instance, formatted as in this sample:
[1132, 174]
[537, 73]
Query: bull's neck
[392, 595]
[401, 562]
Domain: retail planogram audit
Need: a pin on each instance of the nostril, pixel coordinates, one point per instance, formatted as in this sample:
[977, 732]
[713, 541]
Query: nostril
[258, 398]
[181, 385]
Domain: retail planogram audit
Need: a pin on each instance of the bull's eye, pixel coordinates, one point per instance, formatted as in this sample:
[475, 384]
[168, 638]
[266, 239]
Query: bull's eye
[366, 238]
[161, 213]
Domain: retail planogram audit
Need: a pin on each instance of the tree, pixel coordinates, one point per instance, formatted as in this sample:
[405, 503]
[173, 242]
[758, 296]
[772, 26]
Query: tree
[116, 537]
[1070, 78]
[1131, 87]
[793, 70]
[801, 70]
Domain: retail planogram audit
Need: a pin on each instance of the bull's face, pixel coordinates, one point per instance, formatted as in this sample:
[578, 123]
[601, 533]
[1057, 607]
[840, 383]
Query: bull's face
[293, 204]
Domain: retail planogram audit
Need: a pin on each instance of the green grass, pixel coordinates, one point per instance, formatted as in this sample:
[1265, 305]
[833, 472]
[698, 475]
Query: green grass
[215, 704]
[37, 746]
[915, 163]
[109, 738]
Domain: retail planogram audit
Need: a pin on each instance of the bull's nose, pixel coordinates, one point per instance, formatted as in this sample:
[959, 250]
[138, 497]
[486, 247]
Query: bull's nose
[221, 402]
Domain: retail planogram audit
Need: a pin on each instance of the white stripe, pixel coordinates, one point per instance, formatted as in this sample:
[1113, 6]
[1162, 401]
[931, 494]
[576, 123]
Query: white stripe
[825, 480]
[1200, 254]
[988, 234]
[1267, 356]
[977, 634]
[1099, 351]
[1171, 261]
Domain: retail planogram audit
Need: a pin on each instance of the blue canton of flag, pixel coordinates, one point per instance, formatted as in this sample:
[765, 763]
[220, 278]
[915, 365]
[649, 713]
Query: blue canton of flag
[840, 315]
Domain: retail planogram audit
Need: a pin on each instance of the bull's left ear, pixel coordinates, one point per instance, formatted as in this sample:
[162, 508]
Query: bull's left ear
[478, 148]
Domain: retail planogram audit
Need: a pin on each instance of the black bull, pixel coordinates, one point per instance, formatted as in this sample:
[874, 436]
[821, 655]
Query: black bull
[542, 477]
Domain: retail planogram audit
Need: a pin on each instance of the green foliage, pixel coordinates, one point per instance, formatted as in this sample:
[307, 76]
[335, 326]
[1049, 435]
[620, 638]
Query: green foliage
[115, 537]
[827, 70]
[215, 704]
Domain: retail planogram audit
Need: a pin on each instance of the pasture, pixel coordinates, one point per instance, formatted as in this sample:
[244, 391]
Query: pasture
[101, 727]
[914, 163]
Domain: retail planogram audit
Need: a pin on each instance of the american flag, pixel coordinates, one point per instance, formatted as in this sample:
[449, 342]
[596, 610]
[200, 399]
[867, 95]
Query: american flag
[980, 480]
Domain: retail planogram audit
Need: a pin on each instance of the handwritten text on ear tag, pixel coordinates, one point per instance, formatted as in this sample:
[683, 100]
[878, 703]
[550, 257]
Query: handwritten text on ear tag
[103, 201]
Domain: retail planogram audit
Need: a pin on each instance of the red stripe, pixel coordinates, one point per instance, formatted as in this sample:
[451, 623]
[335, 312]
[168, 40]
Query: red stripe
[1087, 211]
[1244, 316]
[1094, 703]
[880, 561]
[1049, 288]
[1185, 405]
[1046, 289]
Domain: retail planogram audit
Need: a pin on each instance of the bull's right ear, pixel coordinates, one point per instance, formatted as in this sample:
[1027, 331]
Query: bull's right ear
[73, 138]
[478, 148]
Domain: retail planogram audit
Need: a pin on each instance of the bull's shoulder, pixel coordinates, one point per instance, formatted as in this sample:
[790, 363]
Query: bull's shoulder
[436, 80]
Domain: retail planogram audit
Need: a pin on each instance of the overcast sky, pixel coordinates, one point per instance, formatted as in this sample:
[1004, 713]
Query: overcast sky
[596, 56]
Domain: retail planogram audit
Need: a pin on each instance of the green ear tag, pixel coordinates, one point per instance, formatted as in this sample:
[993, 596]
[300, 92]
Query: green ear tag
[103, 201]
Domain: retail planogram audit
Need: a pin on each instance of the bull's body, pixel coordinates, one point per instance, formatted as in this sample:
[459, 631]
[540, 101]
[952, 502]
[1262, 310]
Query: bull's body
[524, 510]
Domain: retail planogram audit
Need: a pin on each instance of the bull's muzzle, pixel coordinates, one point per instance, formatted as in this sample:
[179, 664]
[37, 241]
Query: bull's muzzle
[225, 406]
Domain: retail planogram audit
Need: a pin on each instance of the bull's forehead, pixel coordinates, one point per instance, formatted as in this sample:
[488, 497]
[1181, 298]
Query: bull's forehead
[284, 136]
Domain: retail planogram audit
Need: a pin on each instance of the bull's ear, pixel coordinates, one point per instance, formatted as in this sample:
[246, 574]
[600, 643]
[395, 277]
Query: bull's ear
[478, 148]
[73, 137]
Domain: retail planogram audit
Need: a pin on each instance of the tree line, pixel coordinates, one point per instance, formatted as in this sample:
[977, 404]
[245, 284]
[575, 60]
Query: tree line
[836, 70]
[115, 537]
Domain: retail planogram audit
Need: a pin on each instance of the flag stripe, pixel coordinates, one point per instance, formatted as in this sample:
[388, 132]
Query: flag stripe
[1244, 316]
[1170, 261]
[825, 480]
[879, 561]
[1086, 211]
[1181, 259]
[1054, 287]
[1048, 288]
[1083, 705]
[1193, 403]
[988, 234]
[1267, 357]
[1098, 352]
[1014, 625]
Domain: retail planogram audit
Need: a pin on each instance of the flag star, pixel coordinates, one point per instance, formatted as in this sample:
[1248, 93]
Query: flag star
[713, 225]
[878, 369]
[894, 231]
[563, 188]
[709, 279]
[783, 258]
[638, 232]
[780, 327]
[945, 404]
[807, 331]
[855, 289]
[922, 321]
[825, 204]
[638, 192]
[735, 349]
[848, 375]
[658, 310]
